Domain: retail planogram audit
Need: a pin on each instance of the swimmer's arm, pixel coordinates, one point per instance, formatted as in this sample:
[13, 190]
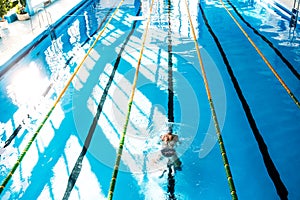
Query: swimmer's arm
[176, 139]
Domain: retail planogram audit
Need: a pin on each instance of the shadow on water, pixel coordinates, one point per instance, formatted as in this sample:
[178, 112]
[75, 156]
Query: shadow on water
[78, 165]
[270, 166]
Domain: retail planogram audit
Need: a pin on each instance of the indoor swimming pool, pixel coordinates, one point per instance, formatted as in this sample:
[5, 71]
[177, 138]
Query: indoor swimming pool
[82, 111]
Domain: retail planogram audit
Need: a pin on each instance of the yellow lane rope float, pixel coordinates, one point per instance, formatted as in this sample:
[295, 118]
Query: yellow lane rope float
[122, 140]
[263, 57]
[213, 112]
[10, 174]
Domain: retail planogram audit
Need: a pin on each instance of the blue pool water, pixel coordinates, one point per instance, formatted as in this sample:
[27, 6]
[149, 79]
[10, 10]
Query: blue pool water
[74, 153]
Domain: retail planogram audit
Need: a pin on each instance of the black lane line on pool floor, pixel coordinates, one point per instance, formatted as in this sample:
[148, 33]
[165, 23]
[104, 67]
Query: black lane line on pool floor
[284, 60]
[270, 166]
[17, 130]
[13, 135]
[78, 165]
[170, 70]
[171, 176]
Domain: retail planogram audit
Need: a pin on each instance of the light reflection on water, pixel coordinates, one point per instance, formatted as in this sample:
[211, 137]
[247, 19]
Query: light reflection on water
[27, 85]
[148, 118]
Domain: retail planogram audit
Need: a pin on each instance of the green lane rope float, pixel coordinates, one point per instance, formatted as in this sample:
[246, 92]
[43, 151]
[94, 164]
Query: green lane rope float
[269, 164]
[263, 57]
[122, 140]
[10, 174]
[268, 42]
[213, 112]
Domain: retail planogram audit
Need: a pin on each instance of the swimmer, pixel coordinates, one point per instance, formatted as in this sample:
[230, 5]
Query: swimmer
[169, 142]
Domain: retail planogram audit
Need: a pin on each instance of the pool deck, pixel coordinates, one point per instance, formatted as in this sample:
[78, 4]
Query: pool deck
[18, 34]
[287, 3]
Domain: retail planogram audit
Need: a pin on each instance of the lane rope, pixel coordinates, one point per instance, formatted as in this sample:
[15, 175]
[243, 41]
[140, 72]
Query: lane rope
[271, 45]
[263, 57]
[76, 171]
[16, 165]
[122, 140]
[213, 112]
[263, 148]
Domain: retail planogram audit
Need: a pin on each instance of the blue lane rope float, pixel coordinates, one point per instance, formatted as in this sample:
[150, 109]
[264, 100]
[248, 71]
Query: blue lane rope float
[122, 140]
[16, 165]
[213, 112]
